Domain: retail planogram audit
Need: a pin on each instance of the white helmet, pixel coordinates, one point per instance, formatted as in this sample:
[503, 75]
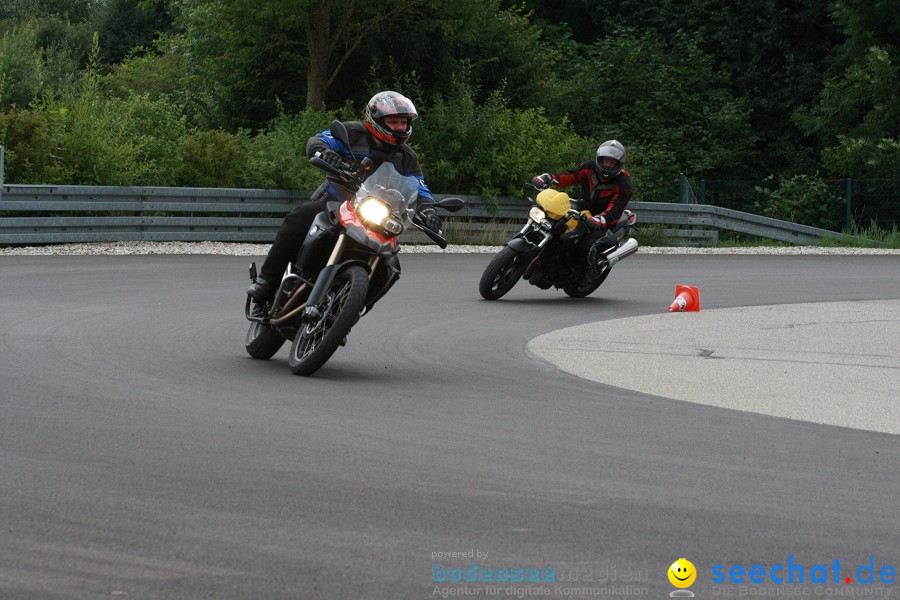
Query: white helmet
[611, 149]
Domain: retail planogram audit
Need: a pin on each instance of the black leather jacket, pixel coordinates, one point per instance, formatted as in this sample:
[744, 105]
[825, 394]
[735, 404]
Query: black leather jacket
[363, 145]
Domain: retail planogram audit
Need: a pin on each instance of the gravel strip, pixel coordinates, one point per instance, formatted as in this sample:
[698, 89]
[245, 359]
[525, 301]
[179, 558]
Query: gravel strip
[235, 249]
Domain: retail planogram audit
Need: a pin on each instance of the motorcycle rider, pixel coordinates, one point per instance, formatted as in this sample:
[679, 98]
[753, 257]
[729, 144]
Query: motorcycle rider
[606, 191]
[383, 137]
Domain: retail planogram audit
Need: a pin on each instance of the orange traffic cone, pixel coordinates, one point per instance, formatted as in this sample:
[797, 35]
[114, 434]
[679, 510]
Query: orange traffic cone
[687, 299]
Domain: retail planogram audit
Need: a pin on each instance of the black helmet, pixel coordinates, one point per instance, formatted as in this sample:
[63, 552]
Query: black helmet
[389, 104]
[611, 149]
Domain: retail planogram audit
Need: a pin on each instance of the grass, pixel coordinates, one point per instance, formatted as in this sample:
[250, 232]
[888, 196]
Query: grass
[652, 235]
[866, 237]
[490, 233]
[731, 239]
[872, 235]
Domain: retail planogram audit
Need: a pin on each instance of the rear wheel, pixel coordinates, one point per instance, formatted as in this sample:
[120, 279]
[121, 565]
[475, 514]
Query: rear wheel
[501, 274]
[580, 291]
[317, 340]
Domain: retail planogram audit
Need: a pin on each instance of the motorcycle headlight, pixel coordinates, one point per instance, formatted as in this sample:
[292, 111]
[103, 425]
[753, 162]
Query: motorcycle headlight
[373, 211]
[536, 214]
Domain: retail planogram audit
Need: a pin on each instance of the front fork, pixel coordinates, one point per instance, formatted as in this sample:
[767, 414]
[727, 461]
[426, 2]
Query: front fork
[312, 309]
[530, 250]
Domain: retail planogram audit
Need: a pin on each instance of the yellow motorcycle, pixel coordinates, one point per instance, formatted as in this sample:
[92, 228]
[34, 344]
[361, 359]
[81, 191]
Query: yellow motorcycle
[543, 251]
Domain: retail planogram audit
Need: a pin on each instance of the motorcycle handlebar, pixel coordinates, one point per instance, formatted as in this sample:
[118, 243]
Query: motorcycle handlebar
[359, 176]
[356, 176]
[437, 238]
[541, 188]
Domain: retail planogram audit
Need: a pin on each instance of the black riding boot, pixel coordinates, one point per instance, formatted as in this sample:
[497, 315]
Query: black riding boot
[280, 254]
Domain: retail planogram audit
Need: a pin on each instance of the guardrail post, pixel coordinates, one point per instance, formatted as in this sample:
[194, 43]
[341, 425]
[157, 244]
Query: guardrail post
[682, 188]
[2, 164]
[849, 201]
[702, 191]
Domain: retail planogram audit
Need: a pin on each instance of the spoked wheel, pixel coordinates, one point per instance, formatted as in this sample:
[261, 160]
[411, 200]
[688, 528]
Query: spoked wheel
[317, 340]
[501, 274]
[580, 291]
[262, 341]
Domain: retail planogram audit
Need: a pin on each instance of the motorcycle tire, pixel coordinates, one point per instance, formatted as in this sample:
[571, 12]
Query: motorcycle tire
[501, 274]
[581, 291]
[316, 342]
[262, 342]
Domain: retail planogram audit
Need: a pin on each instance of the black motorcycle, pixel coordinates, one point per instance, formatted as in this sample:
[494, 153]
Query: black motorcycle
[543, 252]
[347, 262]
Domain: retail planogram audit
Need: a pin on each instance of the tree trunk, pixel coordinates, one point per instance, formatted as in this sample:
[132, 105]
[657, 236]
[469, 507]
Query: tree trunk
[318, 35]
[332, 44]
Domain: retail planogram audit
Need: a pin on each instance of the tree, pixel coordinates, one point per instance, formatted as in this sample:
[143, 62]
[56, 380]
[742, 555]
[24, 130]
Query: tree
[665, 101]
[22, 67]
[772, 52]
[260, 53]
[427, 49]
[22, 10]
[125, 25]
[334, 30]
[857, 117]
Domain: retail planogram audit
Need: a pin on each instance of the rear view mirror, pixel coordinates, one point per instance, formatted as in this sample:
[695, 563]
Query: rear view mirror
[450, 204]
[339, 132]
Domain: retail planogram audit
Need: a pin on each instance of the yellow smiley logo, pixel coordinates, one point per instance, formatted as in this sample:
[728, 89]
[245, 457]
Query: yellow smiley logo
[682, 573]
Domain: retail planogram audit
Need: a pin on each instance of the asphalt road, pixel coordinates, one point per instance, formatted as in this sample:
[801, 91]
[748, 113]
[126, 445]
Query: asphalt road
[144, 455]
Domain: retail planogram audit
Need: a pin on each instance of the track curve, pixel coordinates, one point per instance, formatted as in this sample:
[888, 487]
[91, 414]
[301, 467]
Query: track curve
[143, 452]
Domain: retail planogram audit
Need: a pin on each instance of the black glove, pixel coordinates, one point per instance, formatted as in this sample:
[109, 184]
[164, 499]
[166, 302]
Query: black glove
[542, 181]
[334, 159]
[596, 223]
[431, 220]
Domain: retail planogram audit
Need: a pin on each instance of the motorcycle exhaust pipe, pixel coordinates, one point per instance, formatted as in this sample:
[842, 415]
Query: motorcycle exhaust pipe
[625, 250]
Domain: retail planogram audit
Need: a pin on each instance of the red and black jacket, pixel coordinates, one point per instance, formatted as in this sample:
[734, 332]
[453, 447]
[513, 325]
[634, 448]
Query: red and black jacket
[606, 198]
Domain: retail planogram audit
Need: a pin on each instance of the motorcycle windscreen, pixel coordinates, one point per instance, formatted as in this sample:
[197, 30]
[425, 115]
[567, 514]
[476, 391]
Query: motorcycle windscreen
[396, 190]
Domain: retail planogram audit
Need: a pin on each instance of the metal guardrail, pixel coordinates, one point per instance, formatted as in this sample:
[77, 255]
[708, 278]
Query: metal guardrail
[49, 214]
[46, 214]
[704, 215]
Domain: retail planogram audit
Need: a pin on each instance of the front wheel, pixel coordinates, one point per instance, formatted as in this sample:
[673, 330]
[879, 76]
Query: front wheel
[317, 340]
[501, 274]
[262, 342]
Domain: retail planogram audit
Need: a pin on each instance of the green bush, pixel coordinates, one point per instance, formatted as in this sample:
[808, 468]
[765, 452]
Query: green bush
[654, 171]
[37, 59]
[860, 157]
[102, 141]
[490, 149]
[31, 152]
[210, 159]
[276, 157]
[803, 199]
[22, 69]
[665, 100]
[164, 72]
